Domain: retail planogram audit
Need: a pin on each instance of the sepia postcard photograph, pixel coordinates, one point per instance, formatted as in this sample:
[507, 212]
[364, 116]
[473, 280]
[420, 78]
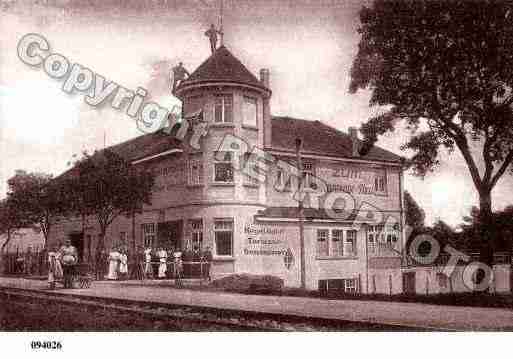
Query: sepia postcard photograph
[229, 166]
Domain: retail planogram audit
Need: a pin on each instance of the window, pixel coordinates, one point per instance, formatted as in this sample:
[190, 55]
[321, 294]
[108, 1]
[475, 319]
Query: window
[223, 230]
[195, 172]
[350, 285]
[223, 167]
[337, 237]
[250, 167]
[380, 183]
[382, 239]
[249, 112]
[346, 285]
[196, 227]
[322, 242]
[308, 174]
[350, 243]
[223, 109]
[283, 182]
[148, 231]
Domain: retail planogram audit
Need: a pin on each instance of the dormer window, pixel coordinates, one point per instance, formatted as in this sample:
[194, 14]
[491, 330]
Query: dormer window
[223, 108]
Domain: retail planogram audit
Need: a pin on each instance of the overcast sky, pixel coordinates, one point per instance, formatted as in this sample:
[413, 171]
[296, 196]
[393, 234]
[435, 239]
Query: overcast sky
[307, 45]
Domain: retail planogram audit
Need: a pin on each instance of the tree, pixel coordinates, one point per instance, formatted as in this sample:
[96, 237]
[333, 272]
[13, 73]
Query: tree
[415, 215]
[11, 220]
[37, 199]
[446, 64]
[106, 186]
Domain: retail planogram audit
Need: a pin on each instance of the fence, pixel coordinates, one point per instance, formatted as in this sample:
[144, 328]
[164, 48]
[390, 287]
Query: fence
[29, 262]
[35, 263]
[198, 269]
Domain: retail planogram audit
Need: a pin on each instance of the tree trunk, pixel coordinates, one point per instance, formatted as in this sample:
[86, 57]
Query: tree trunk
[7, 240]
[100, 254]
[487, 231]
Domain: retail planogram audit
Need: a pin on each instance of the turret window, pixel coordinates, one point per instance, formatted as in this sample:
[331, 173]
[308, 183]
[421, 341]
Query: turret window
[249, 112]
[223, 109]
[223, 167]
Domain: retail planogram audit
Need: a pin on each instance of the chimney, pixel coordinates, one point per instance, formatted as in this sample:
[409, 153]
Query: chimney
[264, 77]
[355, 143]
[264, 80]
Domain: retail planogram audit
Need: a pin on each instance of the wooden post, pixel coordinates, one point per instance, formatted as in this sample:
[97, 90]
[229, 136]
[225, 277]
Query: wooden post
[390, 283]
[301, 215]
[427, 283]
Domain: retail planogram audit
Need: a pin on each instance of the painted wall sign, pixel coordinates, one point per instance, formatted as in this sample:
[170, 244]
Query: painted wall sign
[356, 180]
[264, 240]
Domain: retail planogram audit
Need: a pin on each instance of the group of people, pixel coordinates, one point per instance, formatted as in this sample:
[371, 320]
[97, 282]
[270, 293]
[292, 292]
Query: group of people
[165, 263]
[61, 264]
[118, 264]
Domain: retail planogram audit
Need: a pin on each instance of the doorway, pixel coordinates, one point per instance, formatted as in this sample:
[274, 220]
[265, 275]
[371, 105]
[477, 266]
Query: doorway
[77, 241]
[169, 234]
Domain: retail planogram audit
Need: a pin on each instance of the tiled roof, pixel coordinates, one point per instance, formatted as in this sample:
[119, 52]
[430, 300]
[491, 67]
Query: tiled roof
[146, 146]
[222, 66]
[309, 214]
[319, 138]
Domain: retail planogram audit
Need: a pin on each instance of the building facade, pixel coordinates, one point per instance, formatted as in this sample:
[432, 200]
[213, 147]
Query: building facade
[352, 216]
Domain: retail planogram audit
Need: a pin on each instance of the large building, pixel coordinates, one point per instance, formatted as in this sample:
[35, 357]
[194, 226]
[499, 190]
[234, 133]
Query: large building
[353, 212]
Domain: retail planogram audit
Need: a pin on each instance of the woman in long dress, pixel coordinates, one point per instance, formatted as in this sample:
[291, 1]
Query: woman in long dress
[114, 258]
[123, 265]
[163, 262]
[54, 267]
[147, 263]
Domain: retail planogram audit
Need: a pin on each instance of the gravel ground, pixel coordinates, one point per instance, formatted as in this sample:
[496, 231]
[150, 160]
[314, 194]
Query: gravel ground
[21, 313]
[32, 316]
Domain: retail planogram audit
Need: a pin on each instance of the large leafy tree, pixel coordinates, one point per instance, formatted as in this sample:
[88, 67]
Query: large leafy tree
[37, 199]
[11, 220]
[105, 186]
[415, 215]
[447, 65]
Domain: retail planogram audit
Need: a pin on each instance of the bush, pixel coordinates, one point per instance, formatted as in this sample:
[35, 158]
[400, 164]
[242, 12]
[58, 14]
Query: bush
[250, 284]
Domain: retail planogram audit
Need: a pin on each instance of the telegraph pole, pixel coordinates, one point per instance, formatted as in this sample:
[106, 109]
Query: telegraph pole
[301, 219]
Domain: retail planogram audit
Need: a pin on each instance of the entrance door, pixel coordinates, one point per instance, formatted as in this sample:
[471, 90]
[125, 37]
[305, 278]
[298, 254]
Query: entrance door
[77, 241]
[409, 283]
[169, 234]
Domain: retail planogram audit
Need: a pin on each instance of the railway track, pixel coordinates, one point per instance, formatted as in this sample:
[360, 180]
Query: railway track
[202, 318]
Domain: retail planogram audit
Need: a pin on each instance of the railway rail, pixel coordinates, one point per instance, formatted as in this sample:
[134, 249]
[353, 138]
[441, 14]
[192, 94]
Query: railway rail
[198, 318]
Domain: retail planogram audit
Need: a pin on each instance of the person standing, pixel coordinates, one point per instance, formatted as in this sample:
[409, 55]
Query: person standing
[212, 36]
[147, 263]
[69, 258]
[114, 258]
[206, 258]
[123, 264]
[54, 267]
[177, 268]
[162, 254]
[186, 260]
[196, 259]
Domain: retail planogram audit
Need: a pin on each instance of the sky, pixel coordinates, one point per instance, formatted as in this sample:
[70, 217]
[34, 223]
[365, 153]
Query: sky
[308, 46]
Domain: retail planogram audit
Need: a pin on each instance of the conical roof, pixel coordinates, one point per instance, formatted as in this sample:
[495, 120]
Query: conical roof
[222, 66]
